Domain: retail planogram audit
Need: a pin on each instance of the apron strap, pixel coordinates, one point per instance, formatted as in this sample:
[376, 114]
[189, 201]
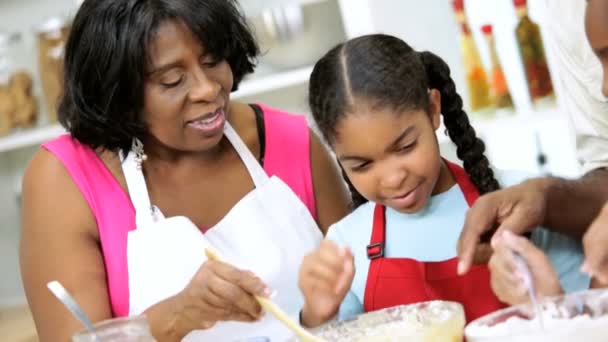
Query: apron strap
[464, 182]
[376, 246]
[258, 175]
[421, 281]
[375, 253]
[375, 249]
[138, 191]
[136, 182]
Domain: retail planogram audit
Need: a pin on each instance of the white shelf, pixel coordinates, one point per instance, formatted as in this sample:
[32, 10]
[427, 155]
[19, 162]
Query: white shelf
[280, 80]
[29, 137]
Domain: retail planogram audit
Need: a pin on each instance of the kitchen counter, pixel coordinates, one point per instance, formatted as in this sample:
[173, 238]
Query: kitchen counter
[17, 325]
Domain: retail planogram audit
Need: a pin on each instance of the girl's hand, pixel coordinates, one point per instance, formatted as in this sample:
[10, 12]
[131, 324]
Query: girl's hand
[507, 282]
[325, 278]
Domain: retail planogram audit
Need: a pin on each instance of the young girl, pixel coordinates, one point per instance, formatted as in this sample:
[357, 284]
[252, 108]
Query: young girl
[378, 102]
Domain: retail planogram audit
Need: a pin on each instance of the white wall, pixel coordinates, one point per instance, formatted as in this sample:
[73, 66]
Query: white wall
[430, 25]
[11, 165]
[515, 145]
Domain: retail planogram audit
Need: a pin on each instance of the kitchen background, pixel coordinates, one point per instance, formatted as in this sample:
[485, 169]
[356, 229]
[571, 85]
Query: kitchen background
[294, 34]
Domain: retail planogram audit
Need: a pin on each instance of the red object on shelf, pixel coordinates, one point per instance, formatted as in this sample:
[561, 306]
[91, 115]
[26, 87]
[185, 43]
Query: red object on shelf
[519, 3]
[458, 5]
[486, 29]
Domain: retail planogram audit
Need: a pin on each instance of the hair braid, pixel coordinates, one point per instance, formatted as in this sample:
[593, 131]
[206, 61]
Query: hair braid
[469, 148]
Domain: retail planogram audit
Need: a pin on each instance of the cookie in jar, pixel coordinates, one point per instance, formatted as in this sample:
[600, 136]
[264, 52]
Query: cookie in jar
[25, 112]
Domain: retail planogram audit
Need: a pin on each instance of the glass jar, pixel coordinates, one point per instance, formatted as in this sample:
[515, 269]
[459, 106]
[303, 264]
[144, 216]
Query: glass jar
[51, 38]
[18, 106]
[124, 329]
[9, 42]
[7, 105]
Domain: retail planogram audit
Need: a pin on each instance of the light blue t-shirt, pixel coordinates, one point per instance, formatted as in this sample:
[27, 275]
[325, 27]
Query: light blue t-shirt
[432, 235]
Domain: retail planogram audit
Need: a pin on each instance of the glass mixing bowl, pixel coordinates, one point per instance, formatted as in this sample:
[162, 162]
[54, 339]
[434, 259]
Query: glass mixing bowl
[421, 322]
[580, 316]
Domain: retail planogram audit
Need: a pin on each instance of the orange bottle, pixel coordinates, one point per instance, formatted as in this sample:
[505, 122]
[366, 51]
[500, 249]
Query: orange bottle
[498, 83]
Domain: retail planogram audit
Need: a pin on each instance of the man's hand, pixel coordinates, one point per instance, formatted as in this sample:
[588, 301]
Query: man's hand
[595, 244]
[518, 209]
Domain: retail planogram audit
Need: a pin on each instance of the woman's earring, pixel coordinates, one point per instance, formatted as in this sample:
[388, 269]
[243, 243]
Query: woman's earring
[140, 156]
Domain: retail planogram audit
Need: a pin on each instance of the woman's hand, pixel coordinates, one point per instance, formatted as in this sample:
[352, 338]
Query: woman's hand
[325, 278]
[217, 292]
[507, 282]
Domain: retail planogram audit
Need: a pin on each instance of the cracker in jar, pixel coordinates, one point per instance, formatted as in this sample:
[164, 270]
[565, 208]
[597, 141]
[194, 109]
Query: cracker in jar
[7, 110]
[25, 103]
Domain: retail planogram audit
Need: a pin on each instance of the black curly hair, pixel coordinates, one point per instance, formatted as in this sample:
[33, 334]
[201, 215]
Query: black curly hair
[387, 71]
[107, 53]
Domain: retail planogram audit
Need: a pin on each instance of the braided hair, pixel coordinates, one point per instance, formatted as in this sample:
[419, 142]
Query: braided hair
[388, 73]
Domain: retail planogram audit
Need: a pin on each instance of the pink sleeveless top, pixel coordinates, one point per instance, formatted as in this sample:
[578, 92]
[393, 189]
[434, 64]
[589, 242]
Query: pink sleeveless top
[287, 155]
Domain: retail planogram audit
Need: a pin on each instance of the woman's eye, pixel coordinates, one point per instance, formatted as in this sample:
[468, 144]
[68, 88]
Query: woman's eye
[172, 83]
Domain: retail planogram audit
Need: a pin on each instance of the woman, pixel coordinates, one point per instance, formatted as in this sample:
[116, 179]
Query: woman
[160, 164]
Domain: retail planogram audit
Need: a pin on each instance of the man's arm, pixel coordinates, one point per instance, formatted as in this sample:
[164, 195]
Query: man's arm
[567, 206]
[572, 205]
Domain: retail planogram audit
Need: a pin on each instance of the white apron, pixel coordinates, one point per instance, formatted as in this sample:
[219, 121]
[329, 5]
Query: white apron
[268, 232]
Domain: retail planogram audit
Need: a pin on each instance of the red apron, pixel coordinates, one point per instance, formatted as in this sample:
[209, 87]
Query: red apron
[397, 281]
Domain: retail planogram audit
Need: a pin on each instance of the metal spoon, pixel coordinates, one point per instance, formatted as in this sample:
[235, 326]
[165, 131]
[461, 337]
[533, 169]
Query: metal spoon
[70, 303]
[524, 270]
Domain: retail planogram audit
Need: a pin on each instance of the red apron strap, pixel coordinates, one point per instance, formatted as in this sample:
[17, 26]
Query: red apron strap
[375, 249]
[464, 182]
[375, 253]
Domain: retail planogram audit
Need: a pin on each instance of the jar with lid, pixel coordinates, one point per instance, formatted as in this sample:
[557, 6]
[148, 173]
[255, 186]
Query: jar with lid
[17, 104]
[51, 39]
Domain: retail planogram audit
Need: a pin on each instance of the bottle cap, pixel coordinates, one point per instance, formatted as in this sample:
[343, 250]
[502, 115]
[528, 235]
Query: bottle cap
[458, 5]
[486, 29]
[519, 3]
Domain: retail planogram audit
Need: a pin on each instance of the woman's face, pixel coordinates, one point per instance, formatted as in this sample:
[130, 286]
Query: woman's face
[391, 158]
[186, 91]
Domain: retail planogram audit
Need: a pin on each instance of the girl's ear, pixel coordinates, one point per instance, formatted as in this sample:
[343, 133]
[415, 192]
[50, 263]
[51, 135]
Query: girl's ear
[435, 107]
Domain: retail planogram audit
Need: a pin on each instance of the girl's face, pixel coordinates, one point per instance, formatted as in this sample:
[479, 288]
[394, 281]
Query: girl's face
[186, 91]
[393, 158]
